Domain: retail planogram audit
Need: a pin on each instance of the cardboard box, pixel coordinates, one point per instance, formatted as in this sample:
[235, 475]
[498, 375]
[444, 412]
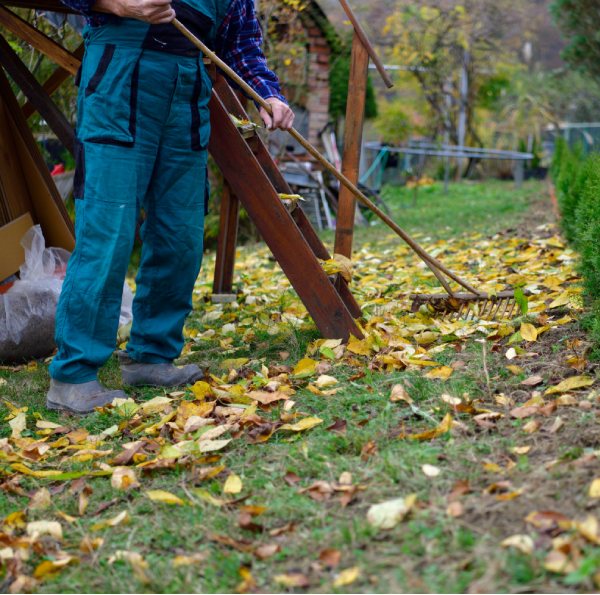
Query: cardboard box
[13, 255]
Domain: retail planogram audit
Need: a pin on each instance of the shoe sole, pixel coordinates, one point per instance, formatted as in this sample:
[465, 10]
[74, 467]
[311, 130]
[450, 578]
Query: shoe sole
[58, 407]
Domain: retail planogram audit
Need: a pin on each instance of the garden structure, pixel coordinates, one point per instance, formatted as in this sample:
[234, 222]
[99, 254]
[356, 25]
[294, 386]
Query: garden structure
[253, 179]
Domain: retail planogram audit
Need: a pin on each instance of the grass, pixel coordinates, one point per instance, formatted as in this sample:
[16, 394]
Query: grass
[430, 552]
[487, 207]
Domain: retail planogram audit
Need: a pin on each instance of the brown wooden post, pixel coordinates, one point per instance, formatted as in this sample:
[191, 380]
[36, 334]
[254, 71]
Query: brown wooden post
[228, 230]
[355, 117]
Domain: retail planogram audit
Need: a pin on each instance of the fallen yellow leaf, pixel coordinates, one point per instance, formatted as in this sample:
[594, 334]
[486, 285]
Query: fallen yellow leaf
[572, 383]
[594, 491]
[304, 424]
[347, 577]
[233, 484]
[442, 373]
[305, 367]
[529, 332]
[164, 497]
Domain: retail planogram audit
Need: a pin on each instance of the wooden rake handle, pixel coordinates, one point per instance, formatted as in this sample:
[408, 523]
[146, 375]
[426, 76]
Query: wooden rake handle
[436, 267]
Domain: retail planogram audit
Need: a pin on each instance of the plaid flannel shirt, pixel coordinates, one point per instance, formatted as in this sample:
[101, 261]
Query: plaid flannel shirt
[239, 43]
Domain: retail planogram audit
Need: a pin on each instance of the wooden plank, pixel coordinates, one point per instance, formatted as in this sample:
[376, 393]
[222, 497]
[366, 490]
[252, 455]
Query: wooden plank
[52, 5]
[53, 82]
[47, 207]
[38, 40]
[228, 230]
[16, 201]
[259, 197]
[36, 94]
[355, 117]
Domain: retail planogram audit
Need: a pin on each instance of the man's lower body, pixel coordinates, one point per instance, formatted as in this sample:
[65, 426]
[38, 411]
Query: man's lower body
[143, 131]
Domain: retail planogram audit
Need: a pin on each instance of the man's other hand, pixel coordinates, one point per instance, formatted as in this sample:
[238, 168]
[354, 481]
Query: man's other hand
[151, 11]
[283, 116]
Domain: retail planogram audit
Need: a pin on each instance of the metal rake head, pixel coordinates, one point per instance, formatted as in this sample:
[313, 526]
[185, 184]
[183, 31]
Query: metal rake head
[501, 306]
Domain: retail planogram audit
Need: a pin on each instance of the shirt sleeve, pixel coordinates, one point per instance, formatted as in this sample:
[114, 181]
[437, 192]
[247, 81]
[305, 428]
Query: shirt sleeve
[83, 6]
[239, 44]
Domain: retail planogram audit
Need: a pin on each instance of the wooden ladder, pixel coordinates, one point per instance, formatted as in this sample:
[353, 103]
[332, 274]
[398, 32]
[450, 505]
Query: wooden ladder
[253, 179]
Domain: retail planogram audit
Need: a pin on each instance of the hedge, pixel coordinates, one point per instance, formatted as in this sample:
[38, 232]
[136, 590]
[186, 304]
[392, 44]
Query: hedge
[577, 180]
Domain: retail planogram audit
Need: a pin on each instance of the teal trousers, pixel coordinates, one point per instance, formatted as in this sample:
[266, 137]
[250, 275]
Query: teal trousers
[143, 130]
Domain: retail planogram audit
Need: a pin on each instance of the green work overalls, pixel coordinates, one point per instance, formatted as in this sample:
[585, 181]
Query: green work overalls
[143, 130]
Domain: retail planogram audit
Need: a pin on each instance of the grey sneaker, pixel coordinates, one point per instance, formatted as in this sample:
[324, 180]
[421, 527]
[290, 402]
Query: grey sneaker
[80, 398]
[163, 375]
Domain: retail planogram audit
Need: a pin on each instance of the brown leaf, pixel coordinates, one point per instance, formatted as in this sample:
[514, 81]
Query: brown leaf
[549, 521]
[319, 491]
[267, 398]
[338, 426]
[523, 412]
[239, 545]
[533, 381]
[460, 488]
[245, 522]
[287, 528]
[368, 450]
[291, 478]
[267, 550]
[330, 557]
[400, 394]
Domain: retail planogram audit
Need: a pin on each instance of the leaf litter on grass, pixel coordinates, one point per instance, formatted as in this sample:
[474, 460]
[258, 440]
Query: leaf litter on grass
[254, 399]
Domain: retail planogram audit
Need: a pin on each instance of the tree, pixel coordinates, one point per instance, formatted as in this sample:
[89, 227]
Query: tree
[451, 49]
[579, 21]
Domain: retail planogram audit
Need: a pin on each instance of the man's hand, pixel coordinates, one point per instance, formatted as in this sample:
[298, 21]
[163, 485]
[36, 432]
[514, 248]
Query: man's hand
[151, 11]
[283, 116]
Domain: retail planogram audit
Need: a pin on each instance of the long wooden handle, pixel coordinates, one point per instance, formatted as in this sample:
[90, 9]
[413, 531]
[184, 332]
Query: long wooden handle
[434, 265]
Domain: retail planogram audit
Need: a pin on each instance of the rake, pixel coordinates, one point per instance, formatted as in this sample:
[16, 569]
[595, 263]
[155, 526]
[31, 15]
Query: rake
[456, 305]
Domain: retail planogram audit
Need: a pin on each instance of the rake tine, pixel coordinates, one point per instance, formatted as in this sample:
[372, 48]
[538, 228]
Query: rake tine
[512, 309]
[487, 308]
[507, 304]
[494, 312]
[494, 309]
[502, 309]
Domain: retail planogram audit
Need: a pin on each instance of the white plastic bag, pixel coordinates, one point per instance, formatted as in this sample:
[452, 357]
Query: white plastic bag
[28, 308]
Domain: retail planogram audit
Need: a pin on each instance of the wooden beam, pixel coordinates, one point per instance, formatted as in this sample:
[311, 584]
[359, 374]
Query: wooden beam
[51, 5]
[355, 117]
[45, 202]
[228, 231]
[53, 82]
[36, 94]
[38, 40]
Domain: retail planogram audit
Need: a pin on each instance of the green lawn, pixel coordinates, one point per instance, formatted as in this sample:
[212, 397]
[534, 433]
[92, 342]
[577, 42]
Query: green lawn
[314, 540]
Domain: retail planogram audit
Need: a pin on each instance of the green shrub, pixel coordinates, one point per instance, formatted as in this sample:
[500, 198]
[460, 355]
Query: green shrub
[560, 149]
[587, 225]
[577, 182]
[569, 190]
